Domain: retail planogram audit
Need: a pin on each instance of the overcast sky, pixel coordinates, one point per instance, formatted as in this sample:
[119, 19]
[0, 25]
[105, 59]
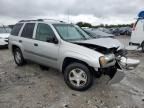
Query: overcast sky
[92, 11]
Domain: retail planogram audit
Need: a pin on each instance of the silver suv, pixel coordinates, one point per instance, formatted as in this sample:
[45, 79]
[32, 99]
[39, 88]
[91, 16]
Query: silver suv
[62, 46]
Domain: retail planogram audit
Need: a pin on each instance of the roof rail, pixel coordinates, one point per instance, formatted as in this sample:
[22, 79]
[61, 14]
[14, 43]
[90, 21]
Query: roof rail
[52, 20]
[41, 20]
[31, 20]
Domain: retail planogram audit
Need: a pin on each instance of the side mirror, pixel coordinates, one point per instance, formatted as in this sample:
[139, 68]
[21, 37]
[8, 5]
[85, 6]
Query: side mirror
[52, 39]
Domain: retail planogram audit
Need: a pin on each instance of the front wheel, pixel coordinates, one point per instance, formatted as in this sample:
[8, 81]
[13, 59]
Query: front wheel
[78, 76]
[18, 57]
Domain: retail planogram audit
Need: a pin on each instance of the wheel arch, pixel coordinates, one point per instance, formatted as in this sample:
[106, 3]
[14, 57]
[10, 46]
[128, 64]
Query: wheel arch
[69, 60]
[14, 47]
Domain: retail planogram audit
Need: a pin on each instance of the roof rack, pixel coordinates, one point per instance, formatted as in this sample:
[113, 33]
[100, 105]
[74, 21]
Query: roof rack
[41, 20]
[52, 20]
[30, 20]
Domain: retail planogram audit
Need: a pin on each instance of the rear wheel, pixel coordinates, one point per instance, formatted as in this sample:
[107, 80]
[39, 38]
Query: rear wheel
[78, 76]
[18, 57]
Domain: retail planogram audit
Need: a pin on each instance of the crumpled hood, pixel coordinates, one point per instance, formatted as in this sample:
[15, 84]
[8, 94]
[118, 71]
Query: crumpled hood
[4, 35]
[104, 42]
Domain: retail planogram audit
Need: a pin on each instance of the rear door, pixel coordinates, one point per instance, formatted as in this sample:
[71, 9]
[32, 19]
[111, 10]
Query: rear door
[27, 40]
[45, 52]
[14, 36]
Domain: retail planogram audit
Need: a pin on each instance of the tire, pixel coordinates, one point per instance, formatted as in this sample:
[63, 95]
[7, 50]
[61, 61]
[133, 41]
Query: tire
[142, 47]
[18, 57]
[78, 77]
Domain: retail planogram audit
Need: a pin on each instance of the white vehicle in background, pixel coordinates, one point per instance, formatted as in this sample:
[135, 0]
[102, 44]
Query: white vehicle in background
[137, 37]
[4, 34]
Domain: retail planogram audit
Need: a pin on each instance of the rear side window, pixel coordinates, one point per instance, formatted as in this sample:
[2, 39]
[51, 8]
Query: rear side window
[28, 30]
[15, 31]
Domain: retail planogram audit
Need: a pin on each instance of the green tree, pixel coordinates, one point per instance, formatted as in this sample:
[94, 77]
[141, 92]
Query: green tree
[84, 24]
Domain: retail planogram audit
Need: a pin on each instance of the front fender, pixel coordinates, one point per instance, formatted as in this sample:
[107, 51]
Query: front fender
[91, 61]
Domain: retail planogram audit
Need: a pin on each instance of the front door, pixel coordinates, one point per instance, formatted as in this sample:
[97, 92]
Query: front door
[45, 52]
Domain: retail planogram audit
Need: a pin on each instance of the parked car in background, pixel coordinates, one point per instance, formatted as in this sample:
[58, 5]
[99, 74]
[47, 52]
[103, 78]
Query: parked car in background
[4, 34]
[125, 31]
[106, 30]
[98, 33]
[117, 31]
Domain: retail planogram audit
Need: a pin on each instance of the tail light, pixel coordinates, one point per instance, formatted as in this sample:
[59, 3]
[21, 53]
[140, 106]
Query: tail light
[134, 25]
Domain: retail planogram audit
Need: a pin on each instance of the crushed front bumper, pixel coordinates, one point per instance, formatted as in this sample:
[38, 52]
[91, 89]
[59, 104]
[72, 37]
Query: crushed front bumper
[117, 72]
[128, 63]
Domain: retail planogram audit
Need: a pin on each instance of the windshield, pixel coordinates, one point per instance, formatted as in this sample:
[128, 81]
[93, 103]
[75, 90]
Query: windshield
[70, 32]
[5, 30]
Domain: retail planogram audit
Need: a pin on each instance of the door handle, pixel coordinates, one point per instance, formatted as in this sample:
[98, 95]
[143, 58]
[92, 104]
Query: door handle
[35, 44]
[20, 41]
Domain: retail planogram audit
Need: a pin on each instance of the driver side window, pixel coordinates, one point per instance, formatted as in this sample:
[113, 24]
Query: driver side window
[44, 32]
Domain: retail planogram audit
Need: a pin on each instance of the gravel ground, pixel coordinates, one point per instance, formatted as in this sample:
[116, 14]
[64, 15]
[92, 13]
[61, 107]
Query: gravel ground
[30, 87]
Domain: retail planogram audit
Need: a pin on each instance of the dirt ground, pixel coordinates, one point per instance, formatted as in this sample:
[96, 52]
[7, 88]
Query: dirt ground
[30, 87]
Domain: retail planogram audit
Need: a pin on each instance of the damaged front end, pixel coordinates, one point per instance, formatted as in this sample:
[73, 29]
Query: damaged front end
[117, 62]
[117, 72]
[123, 64]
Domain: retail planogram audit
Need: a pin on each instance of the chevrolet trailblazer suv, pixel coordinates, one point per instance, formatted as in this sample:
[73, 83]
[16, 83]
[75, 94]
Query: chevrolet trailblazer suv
[65, 47]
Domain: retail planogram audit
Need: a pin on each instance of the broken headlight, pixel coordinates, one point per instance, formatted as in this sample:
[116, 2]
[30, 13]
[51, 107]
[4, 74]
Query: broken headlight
[106, 59]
